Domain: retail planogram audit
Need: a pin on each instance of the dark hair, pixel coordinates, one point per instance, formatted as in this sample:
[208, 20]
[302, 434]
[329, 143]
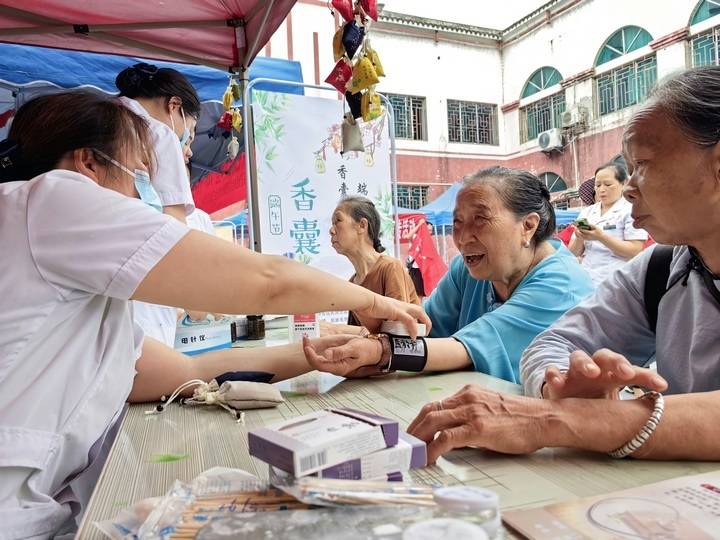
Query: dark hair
[692, 100]
[359, 208]
[48, 127]
[148, 81]
[522, 193]
[619, 171]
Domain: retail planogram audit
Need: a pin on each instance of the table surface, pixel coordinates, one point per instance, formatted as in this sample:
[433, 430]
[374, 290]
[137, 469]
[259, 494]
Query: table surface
[200, 438]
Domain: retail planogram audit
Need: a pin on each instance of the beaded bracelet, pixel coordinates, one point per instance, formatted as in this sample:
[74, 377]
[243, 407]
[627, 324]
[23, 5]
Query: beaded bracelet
[646, 431]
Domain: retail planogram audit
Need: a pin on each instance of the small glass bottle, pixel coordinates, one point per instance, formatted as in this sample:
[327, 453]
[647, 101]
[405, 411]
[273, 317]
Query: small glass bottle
[469, 503]
[255, 327]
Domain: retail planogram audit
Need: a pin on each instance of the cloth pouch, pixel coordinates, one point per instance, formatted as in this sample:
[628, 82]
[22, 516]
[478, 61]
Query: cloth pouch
[351, 135]
[370, 8]
[340, 76]
[354, 101]
[370, 105]
[352, 38]
[344, 8]
[363, 76]
[238, 395]
[375, 61]
[338, 48]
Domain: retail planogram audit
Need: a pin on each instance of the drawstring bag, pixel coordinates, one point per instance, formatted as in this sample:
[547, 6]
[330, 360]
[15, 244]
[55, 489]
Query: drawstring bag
[338, 48]
[237, 120]
[233, 396]
[344, 8]
[354, 101]
[375, 61]
[351, 135]
[363, 76]
[370, 8]
[370, 105]
[352, 38]
[340, 76]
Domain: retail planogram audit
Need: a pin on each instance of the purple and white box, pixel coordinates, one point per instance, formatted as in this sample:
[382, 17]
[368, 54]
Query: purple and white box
[321, 439]
[409, 453]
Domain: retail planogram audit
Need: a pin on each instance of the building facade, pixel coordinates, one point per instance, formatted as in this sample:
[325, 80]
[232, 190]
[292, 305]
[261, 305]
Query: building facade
[550, 93]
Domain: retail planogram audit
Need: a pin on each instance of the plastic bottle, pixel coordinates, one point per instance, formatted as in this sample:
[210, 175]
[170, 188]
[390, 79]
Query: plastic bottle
[469, 503]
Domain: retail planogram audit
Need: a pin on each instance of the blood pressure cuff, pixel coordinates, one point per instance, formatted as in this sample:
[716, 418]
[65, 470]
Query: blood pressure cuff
[407, 354]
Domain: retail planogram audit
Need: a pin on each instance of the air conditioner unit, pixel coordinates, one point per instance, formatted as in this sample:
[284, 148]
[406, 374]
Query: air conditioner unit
[575, 116]
[550, 140]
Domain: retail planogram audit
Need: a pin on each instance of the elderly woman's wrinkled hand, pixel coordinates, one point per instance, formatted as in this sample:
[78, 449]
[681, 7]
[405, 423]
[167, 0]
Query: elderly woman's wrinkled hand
[480, 418]
[345, 355]
[599, 376]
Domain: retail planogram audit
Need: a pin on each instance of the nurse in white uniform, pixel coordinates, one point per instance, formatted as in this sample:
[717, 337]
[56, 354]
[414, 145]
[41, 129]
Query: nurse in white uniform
[167, 100]
[612, 240]
[78, 245]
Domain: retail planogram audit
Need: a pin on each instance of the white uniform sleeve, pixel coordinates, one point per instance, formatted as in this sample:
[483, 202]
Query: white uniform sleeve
[87, 238]
[170, 179]
[630, 232]
[614, 318]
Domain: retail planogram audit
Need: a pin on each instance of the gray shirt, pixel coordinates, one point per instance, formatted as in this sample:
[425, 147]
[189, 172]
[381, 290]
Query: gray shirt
[687, 344]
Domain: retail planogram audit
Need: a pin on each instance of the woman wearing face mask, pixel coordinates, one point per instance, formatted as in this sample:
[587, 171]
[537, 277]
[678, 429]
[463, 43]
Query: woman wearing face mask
[509, 284]
[168, 102]
[610, 240]
[82, 246]
[355, 233]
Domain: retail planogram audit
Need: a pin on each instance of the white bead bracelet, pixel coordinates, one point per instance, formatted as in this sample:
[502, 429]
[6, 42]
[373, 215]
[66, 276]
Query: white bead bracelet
[647, 430]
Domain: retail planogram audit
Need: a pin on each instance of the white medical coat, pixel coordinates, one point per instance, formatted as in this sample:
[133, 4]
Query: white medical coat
[72, 255]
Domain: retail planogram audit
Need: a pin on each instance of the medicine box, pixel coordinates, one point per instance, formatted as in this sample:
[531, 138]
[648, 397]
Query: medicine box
[322, 439]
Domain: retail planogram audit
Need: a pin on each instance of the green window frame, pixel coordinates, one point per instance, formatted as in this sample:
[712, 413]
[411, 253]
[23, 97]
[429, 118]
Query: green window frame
[412, 197]
[705, 10]
[625, 40]
[541, 115]
[542, 79]
[470, 122]
[626, 85]
[705, 48]
[408, 117]
[553, 181]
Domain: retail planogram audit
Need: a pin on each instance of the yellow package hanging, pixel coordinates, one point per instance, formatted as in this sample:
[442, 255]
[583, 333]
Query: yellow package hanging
[237, 94]
[370, 106]
[363, 76]
[375, 60]
[228, 98]
[338, 49]
[237, 120]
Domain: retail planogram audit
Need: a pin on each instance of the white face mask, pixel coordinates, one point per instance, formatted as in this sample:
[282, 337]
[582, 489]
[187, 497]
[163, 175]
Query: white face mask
[147, 192]
[186, 132]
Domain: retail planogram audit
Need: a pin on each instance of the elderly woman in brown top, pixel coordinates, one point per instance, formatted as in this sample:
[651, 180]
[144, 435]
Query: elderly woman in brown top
[355, 233]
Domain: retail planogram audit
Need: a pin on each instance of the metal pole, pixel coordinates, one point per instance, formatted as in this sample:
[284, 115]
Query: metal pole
[393, 168]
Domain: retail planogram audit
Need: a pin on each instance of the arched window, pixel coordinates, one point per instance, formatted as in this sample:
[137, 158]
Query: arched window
[543, 78]
[628, 84]
[544, 113]
[705, 46]
[705, 10]
[625, 40]
[554, 182]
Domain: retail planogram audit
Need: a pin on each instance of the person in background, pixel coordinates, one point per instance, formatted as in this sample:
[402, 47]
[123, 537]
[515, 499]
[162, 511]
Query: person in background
[510, 283]
[672, 147]
[167, 101]
[424, 263]
[355, 234]
[84, 240]
[197, 219]
[610, 240]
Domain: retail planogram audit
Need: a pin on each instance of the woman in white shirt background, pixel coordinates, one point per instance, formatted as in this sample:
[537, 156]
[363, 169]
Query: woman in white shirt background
[168, 102]
[83, 245]
[611, 240]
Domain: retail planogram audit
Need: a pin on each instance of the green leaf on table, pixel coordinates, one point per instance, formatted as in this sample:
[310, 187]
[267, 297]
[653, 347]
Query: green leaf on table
[168, 458]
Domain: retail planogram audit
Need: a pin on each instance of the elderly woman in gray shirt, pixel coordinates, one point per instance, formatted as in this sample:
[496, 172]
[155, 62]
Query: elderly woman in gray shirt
[579, 364]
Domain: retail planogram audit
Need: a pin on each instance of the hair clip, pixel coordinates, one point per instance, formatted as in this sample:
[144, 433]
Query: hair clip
[9, 152]
[146, 69]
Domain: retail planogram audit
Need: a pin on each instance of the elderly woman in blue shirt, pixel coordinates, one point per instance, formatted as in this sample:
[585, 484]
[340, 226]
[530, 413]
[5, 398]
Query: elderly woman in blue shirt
[510, 282]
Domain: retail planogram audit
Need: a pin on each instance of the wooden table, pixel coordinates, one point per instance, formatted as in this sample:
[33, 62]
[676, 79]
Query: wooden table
[201, 438]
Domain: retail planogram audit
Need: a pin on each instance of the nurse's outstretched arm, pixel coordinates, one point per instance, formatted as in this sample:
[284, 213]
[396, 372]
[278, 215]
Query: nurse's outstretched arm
[205, 273]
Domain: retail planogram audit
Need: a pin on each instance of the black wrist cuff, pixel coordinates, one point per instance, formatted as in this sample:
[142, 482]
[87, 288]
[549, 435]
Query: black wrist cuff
[407, 354]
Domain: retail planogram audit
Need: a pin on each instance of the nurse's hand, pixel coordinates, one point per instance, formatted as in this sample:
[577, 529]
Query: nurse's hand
[390, 309]
[588, 235]
[477, 417]
[601, 376]
[344, 355]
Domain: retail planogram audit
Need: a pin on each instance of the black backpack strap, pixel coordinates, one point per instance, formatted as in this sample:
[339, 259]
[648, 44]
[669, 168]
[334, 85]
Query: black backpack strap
[656, 278]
